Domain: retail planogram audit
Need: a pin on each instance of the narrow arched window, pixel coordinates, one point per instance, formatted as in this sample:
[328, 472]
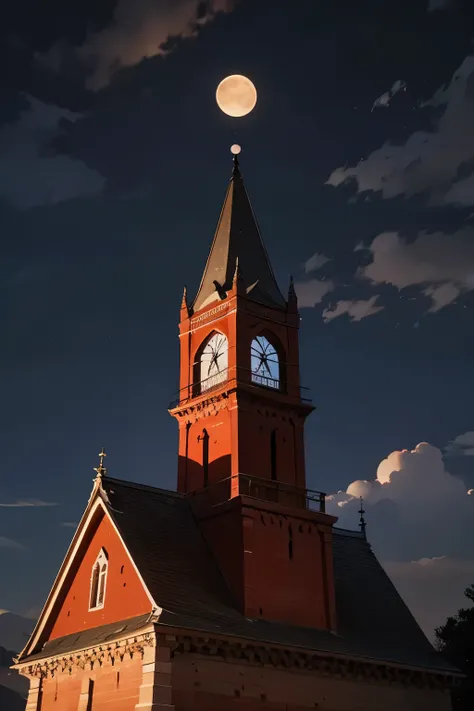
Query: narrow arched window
[264, 363]
[273, 455]
[205, 457]
[98, 581]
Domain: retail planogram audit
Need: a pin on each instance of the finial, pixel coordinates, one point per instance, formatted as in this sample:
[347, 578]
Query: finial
[292, 298]
[101, 470]
[235, 150]
[362, 523]
[184, 300]
[238, 282]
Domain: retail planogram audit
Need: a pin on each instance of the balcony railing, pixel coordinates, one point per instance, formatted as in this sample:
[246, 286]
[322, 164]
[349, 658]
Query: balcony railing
[262, 489]
[243, 375]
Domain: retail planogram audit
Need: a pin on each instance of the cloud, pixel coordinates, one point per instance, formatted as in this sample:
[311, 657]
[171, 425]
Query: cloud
[8, 543]
[418, 515]
[27, 503]
[463, 445]
[430, 161]
[69, 524]
[443, 263]
[356, 310]
[439, 5]
[315, 262]
[384, 100]
[406, 503]
[30, 173]
[140, 29]
[312, 292]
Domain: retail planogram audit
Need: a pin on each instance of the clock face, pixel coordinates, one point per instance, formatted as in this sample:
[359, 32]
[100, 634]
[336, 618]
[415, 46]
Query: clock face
[264, 363]
[214, 361]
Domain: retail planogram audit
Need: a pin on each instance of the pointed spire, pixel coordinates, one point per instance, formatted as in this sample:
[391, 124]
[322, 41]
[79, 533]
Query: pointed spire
[101, 470]
[362, 523]
[292, 298]
[238, 280]
[184, 300]
[237, 236]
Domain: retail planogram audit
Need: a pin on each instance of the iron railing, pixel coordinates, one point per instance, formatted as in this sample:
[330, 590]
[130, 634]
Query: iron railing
[263, 489]
[243, 375]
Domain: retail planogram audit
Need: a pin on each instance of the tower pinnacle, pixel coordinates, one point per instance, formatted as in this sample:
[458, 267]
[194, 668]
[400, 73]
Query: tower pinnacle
[238, 237]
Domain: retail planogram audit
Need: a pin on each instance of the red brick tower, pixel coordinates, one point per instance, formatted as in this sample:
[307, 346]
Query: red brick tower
[241, 420]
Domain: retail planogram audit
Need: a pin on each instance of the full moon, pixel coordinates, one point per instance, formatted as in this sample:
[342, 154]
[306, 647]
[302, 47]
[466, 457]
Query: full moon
[236, 96]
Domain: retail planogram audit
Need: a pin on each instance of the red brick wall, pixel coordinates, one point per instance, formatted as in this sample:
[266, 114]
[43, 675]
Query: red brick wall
[124, 595]
[116, 688]
[212, 685]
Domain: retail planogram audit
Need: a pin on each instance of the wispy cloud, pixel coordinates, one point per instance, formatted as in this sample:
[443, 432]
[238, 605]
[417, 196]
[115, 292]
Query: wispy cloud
[27, 503]
[33, 174]
[430, 161]
[383, 101]
[312, 292]
[315, 262]
[9, 543]
[69, 524]
[140, 29]
[441, 263]
[355, 309]
[463, 445]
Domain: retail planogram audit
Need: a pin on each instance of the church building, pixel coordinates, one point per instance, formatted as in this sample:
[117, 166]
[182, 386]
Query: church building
[237, 591]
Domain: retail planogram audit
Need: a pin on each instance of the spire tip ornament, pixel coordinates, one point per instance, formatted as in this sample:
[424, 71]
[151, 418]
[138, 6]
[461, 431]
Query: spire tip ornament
[101, 470]
[362, 522]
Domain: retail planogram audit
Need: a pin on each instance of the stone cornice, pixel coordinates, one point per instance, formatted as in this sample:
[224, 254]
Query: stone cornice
[323, 664]
[107, 652]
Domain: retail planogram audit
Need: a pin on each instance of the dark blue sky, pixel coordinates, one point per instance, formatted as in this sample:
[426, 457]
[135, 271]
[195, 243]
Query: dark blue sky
[110, 189]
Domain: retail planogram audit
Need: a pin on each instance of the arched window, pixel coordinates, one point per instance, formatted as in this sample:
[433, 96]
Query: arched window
[213, 362]
[98, 581]
[264, 363]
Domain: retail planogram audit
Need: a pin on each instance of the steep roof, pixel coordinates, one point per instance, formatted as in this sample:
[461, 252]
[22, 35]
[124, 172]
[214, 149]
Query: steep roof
[179, 570]
[237, 237]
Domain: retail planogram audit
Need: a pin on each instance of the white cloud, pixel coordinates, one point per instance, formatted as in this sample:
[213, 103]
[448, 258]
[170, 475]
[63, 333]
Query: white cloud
[441, 262]
[462, 445]
[312, 292]
[315, 262]
[418, 515]
[140, 29]
[384, 100]
[429, 161]
[29, 175]
[27, 503]
[356, 309]
[8, 543]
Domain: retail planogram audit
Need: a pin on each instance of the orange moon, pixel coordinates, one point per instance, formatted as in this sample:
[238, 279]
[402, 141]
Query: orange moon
[236, 96]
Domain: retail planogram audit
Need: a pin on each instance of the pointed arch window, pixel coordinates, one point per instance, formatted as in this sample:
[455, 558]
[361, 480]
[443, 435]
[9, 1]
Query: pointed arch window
[213, 362]
[99, 581]
[264, 363]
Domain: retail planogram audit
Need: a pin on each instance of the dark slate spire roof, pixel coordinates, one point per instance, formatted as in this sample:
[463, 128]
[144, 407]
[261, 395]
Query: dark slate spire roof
[237, 237]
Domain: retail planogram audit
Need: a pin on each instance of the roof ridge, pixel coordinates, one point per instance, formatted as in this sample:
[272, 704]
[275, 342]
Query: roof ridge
[348, 532]
[145, 487]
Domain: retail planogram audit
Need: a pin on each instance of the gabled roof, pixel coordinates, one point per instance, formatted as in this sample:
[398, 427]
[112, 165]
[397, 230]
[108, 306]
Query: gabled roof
[237, 237]
[181, 574]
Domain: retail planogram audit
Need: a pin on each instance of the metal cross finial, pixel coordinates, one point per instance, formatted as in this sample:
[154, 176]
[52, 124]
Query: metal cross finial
[101, 470]
[362, 523]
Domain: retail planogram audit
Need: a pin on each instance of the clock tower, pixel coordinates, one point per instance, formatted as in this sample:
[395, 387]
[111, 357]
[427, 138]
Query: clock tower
[241, 415]
[240, 407]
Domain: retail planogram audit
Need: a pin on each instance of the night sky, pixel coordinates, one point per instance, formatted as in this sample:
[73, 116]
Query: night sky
[359, 161]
